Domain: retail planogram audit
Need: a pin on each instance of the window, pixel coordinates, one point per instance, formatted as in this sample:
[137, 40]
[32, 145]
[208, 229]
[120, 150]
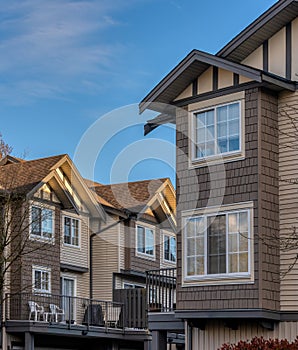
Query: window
[145, 241]
[131, 286]
[42, 222]
[218, 245]
[71, 231]
[169, 248]
[41, 280]
[217, 131]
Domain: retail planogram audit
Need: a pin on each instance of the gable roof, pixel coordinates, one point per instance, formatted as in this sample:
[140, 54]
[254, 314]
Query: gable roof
[133, 196]
[192, 66]
[23, 176]
[27, 177]
[148, 198]
[269, 23]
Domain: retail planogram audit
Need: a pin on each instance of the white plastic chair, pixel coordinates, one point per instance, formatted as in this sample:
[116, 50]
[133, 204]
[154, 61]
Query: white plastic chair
[56, 312]
[35, 310]
[111, 315]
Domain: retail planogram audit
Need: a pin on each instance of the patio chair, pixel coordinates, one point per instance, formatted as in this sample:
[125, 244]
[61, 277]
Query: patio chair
[111, 315]
[36, 311]
[56, 312]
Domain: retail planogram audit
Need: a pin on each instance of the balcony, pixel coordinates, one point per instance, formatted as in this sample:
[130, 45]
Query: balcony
[161, 290]
[57, 309]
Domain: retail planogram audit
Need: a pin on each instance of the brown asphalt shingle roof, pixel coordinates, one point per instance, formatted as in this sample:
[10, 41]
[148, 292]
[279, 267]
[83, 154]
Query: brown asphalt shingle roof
[22, 177]
[132, 195]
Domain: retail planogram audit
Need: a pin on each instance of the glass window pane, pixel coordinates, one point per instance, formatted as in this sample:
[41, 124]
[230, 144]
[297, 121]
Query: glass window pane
[243, 242]
[191, 247]
[47, 222]
[173, 249]
[209, 151]
[243, 262]
[149, 242]
[166, 247]
[190, 266]
[199, 226]
[200, 265]
[191, 228]
[222, 130]
[222, 114]
[222, 145]
[200, 150]
[234, 144]
[233, 111]
[210, 133]
[233, 223]
[67, 229]
[201, 135]
[233, 263]
[233, 243]
[243, 222]
[234, 127]
[36, 220]
[37, 279]
[141, 239]
[201, 119]
[210, 117]
[200, 246]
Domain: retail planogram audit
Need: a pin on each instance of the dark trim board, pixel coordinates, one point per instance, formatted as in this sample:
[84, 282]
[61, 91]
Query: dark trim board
[165, 321]
[77, 331]
[74, 268]
[289, 51]
[241, 314]
[265, 56]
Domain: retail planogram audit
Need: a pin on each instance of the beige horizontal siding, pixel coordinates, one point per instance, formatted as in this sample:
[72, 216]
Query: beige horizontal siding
[288, 196]
[78, 256]
[105, 260]
[217, 334]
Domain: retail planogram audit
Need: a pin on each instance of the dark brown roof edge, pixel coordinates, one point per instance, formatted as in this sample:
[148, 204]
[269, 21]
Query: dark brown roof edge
[253, 27]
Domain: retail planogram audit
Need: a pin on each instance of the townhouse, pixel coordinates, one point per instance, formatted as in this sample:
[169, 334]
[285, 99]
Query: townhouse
[139, 233]
[236, 116]
[48, 216]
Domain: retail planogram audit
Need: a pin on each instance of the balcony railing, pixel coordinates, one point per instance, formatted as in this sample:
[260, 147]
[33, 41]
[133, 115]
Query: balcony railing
[64, 310]
[161, 290]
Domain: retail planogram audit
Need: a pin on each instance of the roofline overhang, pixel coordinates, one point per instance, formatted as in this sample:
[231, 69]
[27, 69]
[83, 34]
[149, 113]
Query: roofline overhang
[254, 27]
[259, 76]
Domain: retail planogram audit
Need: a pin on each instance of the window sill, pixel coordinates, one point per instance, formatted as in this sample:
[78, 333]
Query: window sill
[42, 239]
[145, 256]
[218, 280]
[71, 246]
[231, 157]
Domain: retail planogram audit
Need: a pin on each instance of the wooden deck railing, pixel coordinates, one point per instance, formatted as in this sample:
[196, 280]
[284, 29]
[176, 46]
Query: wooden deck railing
[161, 290]
[63, 309]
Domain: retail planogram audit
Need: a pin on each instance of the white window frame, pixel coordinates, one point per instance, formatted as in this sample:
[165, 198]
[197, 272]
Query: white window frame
[132, 285]
[141, 254]
[226, 278]
[71, 233]
[216, 146]
[42, 236]
[195, 108]
[42, 270]
[169, 235]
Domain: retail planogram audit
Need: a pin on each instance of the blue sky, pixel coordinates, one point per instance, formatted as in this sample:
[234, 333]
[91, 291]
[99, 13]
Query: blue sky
[67, 64]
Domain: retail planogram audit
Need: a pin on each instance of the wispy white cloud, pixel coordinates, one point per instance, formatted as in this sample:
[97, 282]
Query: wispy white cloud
[47, 46]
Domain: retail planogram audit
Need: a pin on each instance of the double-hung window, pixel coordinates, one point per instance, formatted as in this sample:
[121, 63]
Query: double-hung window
[169, 248]
[145, 241]
[71, 231]
[42, 222]
[218, 131]
[218, 245]
[41, 280]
